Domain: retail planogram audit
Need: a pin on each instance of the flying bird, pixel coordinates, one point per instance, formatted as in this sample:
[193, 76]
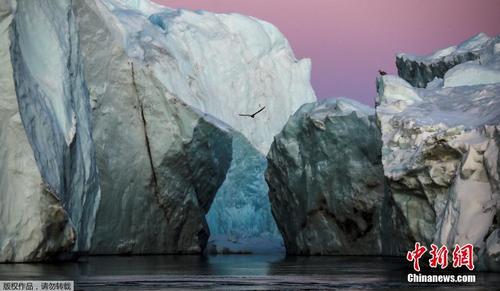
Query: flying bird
[382, 73]
[253, 115]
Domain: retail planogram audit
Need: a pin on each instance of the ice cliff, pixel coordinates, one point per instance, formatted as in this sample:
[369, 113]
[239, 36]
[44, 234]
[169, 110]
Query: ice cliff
[224, 65]
[119, 120]
[120, 128]
[441, 147]
[161, 160]
[96, 154]
[48, 177]
[240, 218]
[326, 185]
[420, 70]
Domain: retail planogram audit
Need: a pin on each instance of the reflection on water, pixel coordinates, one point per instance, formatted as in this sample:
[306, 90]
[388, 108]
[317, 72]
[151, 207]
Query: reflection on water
[232, 272]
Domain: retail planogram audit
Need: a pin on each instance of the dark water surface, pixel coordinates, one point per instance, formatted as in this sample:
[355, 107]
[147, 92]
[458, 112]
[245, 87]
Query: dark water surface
[235, 272]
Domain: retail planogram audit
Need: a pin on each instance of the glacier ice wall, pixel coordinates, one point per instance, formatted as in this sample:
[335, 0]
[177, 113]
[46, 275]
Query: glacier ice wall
[143, 161]
[55, 109]
[420, 70]
[441, 153]
[222, 64]
[80, 115]
[49, 187]
[241, 210]
[26, 209]
[326, 182]
[161, 161]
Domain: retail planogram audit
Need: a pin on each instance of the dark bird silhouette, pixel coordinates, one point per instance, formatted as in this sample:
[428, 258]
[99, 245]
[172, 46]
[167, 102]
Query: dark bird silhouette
[253, 115]
[382, 73]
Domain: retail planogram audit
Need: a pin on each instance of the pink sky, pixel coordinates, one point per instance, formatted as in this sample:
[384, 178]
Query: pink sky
[349, 40]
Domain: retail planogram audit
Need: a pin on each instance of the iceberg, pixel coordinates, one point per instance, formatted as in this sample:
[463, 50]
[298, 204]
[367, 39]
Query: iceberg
[240, 218]
[440, 151]
[96, 155]
[120, 118]
[326, 183]
[221, 64]
[160, 160]
[420, 70]
[49, 184]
